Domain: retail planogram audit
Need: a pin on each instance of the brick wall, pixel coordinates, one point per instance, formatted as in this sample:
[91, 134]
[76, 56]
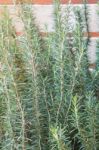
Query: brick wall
[43, 10]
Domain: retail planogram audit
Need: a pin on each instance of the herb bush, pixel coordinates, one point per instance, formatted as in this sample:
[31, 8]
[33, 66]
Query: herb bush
[48, 98]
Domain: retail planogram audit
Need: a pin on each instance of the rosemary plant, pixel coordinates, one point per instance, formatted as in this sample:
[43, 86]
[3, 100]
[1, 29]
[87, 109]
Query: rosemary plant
[48, 98]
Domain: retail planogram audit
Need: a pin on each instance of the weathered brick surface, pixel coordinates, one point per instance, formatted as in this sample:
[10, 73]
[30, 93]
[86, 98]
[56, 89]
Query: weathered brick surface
[43, 10]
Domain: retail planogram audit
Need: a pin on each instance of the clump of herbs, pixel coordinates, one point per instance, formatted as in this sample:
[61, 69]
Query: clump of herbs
[48, 98]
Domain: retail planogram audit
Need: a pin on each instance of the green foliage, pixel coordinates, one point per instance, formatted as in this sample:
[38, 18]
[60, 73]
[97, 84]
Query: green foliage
[48, 98]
